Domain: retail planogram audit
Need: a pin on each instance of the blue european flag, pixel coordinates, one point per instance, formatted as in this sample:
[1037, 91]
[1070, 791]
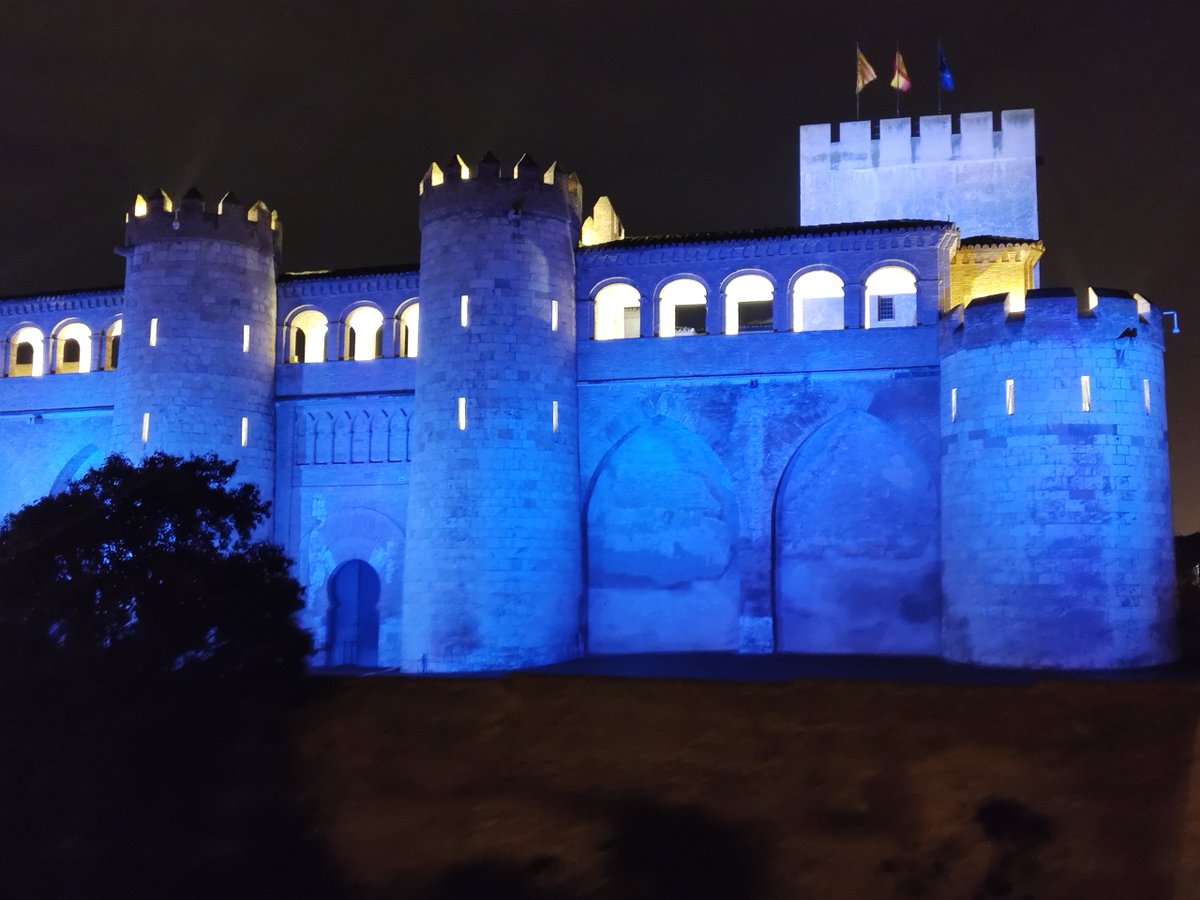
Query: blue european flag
[947, 80]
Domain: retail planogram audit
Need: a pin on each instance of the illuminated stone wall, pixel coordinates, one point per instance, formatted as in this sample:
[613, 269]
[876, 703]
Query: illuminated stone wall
[670, 428]
[492, 569]
[690, 481]
[49, 447]
[984, 268]
[342, 474]
[759, 424]
[194, 281]
[343, 496]
[955, 169]
[58, 425]
[1056, 521]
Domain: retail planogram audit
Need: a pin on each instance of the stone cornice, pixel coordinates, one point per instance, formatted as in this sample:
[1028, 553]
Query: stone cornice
[33, 304]
[997, 250]
[786, 242]
[308, 287]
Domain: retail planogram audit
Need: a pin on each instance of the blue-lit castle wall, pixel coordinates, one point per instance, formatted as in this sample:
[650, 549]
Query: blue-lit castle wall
[796, 440]
[1054, 425]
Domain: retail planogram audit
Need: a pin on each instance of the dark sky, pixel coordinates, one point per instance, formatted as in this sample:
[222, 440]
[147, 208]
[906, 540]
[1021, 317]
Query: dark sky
[685, 113]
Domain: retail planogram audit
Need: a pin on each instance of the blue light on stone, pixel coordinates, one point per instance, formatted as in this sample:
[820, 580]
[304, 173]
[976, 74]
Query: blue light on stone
[899, 446]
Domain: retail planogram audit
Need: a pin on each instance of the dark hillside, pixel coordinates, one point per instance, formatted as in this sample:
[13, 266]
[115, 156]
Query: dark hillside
[573, 787]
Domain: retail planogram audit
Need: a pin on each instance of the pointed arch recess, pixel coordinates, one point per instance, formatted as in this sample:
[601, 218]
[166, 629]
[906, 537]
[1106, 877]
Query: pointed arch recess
[87, 458]
[661, 532]
[856, 555]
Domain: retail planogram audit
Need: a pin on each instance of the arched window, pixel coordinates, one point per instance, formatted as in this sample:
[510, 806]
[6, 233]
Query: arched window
[890, 298]
[749, 302]
[410, 323]
[112, 345]
[74, 348]
[307, 336]
[27, 352]
[364, 334]
[682, 308]
[818, 302]
[618, 312]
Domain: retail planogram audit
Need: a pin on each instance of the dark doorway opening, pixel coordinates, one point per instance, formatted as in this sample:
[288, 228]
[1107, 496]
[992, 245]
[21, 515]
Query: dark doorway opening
[353, 629]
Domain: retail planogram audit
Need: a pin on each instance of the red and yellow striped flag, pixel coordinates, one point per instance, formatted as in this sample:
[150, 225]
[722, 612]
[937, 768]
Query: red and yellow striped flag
[900, 80]
[865, 73]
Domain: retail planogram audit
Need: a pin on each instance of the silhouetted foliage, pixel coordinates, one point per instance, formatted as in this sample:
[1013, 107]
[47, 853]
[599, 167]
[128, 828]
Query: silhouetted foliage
[151, 658]
[149, 570]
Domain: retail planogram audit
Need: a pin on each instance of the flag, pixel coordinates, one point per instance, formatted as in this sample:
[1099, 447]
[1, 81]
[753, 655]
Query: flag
[900, 80]
[865, 73]
[945, 79]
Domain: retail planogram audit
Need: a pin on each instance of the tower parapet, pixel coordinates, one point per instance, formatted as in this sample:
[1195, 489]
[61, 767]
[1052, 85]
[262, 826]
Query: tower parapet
[492, 576]
[197, 369]
[1056, 514]
[961, 169]
[158, 218]
[485, 188]
[1100, 314]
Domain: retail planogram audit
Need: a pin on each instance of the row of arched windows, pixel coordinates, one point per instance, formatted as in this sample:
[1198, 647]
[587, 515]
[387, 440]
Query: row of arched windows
[818, 303]
[72, 346]
[362, 334]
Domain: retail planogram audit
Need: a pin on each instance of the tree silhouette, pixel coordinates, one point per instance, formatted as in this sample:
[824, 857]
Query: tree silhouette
[150, 657]
[149, 569]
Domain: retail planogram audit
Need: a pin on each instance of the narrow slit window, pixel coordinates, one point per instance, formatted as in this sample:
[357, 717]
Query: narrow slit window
[154, 332]
[554, 416]
[1085, 392]
[245, 338]
[554, 315]
[953, 404]
[1009, 397]
[462, 310]
[1146, 394]
[245, 430]
[145, 427]
[462, 413]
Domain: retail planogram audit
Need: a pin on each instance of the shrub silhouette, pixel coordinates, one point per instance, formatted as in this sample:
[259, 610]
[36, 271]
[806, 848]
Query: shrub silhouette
[151, 656]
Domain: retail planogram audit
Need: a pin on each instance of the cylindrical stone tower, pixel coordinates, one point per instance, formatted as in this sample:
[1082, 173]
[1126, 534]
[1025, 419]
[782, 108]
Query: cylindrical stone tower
[492, 573]
[197, 371]
[1056, 514]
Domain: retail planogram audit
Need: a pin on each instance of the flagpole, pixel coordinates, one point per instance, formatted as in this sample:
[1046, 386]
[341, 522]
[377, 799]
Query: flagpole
[939, 76]
[857, 92]
[897, 87]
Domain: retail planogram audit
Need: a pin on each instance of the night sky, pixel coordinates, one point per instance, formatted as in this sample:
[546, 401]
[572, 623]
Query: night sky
[685, 114]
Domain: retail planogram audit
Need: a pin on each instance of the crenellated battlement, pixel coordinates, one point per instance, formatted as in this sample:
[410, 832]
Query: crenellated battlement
[158, 218]
[962, 169]
[1099, 314]
[902, 141]
[488, 188]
